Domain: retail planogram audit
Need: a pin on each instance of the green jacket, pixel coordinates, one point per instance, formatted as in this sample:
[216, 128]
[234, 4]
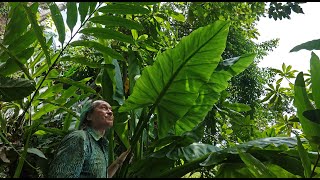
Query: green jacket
[81, 154]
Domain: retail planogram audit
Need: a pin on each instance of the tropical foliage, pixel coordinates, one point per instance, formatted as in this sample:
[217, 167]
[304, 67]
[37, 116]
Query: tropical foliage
[182, 78]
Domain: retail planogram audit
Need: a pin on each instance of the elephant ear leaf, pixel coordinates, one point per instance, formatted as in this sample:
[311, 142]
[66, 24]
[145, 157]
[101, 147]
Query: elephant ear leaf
[315, 76]
[310, 126]
[172, 83]
[312, 115]
[209, 93]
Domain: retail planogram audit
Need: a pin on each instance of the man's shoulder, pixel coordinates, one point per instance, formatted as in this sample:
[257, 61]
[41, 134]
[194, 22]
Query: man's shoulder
[76, 134]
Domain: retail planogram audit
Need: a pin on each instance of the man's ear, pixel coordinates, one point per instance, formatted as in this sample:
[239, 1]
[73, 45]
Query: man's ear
[89, 117]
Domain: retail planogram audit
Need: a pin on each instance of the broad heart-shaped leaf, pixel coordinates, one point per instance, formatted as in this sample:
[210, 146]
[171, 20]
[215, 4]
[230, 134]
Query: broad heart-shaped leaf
[15, 89]
[72, 15]
[114, 21]
[209, 93]
[192, 151]
[172, 83]
[38, 31]
[105, 33]
[208, 155]
[302, 103]
[315, 78]
[310, 45]
[123, 9]
[58, 21]
[272, 143]
[99, 47]
[306, 163]
[255, 166]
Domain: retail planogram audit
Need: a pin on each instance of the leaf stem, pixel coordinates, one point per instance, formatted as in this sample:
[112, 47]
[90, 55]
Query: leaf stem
[315, 165]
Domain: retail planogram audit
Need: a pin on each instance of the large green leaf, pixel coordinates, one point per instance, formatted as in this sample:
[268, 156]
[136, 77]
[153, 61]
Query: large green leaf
[312, 115]
[118, 94]
[20, 44]
[209, 92]
[123, 9]
[83, 10]
[111, 82]
[255, 166]
[72, 15]
[58, 21]
[310, 45]
[38, 32]
[208, 155]
[18, 23]
[121, 127]
[172, 83]
[233, 170]
[107, 76]
[291, 164]
[107, 34]
[15, 89]
[143, 169]
[306, 163]
[99, 47]
[16, 62]
[114, 21]
[92, 6]
[192, 151]
[315, 78]
[265, 144]
[302, 103]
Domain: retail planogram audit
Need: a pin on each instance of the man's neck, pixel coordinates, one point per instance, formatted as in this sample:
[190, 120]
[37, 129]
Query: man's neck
[101, 131]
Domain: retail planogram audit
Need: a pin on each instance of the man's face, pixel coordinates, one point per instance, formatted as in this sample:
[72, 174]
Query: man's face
[102, 116]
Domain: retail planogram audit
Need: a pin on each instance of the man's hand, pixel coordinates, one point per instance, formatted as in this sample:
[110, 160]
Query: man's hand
[123, 156]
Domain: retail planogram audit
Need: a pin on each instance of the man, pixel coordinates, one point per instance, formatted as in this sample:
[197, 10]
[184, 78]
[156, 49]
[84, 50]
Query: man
[84, 153]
